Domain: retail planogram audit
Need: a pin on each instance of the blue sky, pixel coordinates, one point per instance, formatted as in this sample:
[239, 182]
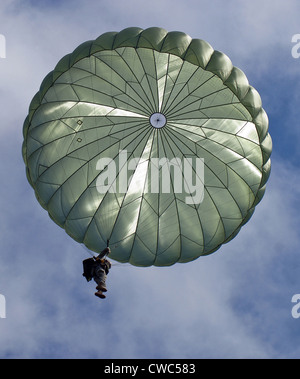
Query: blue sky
[232, 304]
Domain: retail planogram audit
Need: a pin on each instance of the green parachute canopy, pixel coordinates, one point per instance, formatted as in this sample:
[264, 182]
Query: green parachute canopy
[151, 140]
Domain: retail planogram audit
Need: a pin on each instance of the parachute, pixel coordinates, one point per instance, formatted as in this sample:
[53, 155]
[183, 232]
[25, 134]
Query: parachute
[151, 140]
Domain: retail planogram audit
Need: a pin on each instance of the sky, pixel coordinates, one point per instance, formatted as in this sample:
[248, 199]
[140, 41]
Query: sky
[235, 303]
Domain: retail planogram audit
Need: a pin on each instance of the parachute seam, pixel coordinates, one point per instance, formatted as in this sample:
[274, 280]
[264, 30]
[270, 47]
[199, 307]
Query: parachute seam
[137, 79]
[147, 78]
[192, 205]
[83, 146]
[169, 109]
[176, 204]
[207, 191]
[226, 147]
[168, 77]
[226, 165]
[186, 84]
[160, 109]
[175, 201]
[143, 131]
[123, 81]
[201, 109]
[137, 223]
[140, 207]
[146, 133]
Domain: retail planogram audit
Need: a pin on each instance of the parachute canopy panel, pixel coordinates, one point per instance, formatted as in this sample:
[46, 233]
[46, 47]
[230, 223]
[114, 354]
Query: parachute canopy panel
[151, 140]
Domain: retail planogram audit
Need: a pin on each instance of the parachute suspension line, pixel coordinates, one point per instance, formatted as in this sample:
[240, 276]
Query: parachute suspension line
[107, 245]
[88, 250]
